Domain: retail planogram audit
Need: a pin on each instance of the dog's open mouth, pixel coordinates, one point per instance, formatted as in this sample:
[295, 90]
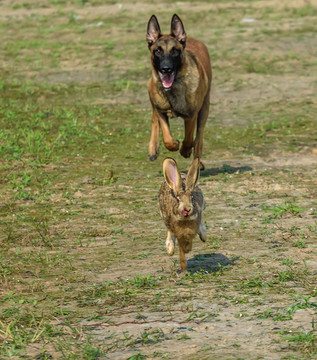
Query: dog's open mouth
[167, 80]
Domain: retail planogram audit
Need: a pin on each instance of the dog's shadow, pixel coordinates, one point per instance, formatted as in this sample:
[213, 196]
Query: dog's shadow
[208, 262]
[225, 169]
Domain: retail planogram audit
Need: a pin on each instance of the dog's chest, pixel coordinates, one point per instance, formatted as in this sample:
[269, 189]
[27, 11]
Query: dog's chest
[179, 104]
[182, 102]
[183, 96]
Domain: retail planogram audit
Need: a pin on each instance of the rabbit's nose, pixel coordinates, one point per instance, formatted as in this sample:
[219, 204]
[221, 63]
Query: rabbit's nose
[186, 212]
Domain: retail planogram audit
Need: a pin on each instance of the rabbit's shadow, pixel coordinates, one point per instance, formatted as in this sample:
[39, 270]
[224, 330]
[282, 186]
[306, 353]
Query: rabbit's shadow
[208, 262]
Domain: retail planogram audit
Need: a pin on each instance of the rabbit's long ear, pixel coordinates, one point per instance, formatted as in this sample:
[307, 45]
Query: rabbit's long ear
[171, 174]
[193, 174]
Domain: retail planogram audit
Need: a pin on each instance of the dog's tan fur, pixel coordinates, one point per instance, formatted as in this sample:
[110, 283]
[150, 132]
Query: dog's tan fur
[187, 98]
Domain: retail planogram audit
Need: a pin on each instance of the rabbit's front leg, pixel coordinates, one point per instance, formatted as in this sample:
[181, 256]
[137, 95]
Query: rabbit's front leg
[170, 243]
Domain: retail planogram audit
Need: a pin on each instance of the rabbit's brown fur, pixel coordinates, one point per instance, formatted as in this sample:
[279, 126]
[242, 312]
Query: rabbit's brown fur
[181, 206]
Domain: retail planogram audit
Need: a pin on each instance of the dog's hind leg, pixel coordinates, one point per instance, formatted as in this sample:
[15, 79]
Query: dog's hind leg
[201, 122]
[188, 142]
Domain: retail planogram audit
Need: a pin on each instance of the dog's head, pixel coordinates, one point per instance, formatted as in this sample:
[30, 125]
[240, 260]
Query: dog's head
[167, 51]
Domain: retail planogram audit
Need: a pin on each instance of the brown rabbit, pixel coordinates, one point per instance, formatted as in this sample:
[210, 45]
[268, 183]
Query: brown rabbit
[181, 206]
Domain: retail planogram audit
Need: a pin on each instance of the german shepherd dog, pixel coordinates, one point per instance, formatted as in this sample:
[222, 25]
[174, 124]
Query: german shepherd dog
[179, 86]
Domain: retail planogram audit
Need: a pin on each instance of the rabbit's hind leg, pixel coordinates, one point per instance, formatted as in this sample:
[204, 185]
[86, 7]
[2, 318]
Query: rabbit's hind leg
[202, 232]
[182, 259]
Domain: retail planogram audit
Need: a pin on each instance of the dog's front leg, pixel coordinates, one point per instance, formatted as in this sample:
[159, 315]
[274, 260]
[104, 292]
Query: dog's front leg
[169, 142]
[188, 142]
[160, 119]
[154, 141]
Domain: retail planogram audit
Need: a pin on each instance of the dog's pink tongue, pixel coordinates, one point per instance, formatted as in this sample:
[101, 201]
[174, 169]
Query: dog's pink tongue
[167, 80]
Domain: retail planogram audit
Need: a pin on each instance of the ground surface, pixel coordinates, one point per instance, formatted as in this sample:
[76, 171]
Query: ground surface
[83, 269]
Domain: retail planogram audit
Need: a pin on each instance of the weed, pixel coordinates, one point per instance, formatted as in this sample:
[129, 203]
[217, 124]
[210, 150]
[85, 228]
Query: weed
[305, 341]
[299, 244]
[284, 276]
[184, 337]
[253, 282]
[288, 262]
[198, 276]
[282, 210]
[137, 356]
[91, 352]
[142, 282]
[275, 316]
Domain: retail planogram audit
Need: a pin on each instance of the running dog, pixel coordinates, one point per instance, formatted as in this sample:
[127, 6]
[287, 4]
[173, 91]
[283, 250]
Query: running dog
[179, 86]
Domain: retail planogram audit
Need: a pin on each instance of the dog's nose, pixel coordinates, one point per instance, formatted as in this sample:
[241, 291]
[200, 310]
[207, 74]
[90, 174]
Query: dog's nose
[166, 70]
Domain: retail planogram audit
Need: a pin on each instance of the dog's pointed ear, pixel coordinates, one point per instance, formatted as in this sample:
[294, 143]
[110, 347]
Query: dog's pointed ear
[153, 31]
[177, 29]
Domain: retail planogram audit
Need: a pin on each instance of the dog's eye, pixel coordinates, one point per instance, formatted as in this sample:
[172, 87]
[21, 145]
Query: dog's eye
[175, 52]
[158, 51]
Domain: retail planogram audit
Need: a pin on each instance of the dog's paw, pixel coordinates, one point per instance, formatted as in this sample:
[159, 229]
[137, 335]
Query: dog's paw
[153, 153]
[153, 150]
[153, 157]
[186, 151]
[172, 146]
